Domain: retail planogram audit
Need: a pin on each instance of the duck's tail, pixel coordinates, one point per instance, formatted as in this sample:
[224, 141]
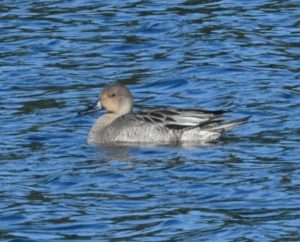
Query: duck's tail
[229, 125]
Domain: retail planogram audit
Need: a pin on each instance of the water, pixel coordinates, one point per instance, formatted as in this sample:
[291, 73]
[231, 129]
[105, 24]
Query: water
[240, 56]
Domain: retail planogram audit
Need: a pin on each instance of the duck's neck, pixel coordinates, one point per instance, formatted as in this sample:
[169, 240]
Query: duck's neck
[125, 108]
[107, 119]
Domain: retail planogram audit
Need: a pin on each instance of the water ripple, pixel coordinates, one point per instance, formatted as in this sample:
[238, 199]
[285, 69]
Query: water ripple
[54, 58]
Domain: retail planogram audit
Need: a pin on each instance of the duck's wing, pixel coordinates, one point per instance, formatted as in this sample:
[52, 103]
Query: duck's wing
[178, 119]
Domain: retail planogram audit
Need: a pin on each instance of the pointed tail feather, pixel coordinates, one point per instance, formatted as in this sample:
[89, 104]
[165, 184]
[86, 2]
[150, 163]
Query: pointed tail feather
[229, 125]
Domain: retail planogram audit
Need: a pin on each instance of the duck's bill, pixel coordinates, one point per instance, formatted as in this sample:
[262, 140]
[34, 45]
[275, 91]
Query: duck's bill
[91, 108]
[98, 105]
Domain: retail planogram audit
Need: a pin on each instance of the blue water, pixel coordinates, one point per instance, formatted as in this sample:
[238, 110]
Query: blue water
[240, 56]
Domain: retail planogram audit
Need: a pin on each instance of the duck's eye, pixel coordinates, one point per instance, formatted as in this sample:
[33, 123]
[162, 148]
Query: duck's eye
[112, 95]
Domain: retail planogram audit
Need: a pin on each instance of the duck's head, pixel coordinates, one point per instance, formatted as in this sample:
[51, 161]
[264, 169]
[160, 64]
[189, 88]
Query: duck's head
[116, 99]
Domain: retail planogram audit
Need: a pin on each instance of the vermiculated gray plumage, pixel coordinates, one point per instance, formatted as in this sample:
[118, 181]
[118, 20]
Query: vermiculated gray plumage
[154, 125]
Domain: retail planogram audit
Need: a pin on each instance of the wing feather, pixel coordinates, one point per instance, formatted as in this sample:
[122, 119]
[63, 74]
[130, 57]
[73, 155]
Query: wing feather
[178, 118]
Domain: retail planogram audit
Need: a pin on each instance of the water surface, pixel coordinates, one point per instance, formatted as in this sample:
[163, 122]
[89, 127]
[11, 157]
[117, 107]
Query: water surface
[240, 56]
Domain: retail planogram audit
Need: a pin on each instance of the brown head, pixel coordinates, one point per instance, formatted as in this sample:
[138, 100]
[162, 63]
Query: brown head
[116, 99]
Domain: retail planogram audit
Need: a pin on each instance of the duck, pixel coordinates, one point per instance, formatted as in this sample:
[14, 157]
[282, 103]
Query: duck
[121, 124]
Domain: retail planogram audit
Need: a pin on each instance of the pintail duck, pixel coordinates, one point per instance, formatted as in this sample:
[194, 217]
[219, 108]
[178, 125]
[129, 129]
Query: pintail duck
[155, 126]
